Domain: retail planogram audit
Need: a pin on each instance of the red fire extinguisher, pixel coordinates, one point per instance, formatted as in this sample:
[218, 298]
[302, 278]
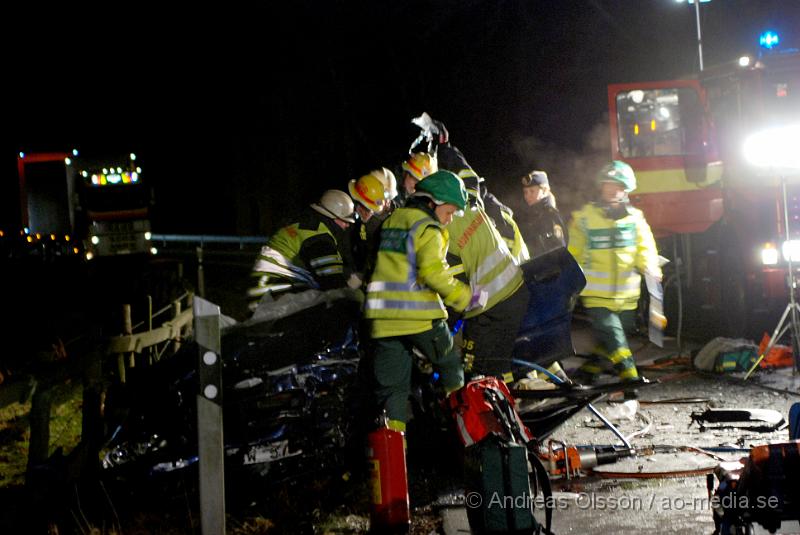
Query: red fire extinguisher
[387, 463]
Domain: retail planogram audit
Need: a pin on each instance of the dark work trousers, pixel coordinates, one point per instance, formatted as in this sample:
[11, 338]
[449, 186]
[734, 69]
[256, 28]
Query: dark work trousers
[394, 359]
[489, 337]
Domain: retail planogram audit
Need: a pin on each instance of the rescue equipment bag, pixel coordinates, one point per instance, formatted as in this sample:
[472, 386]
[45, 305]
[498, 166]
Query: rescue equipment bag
[726, 355]
[498, 493]
[485, 406]
[497, 466]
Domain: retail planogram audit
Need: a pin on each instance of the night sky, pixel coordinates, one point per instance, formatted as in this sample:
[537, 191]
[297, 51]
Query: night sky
[240, 116]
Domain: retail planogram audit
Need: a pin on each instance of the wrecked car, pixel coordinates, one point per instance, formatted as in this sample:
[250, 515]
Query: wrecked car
[290, 388]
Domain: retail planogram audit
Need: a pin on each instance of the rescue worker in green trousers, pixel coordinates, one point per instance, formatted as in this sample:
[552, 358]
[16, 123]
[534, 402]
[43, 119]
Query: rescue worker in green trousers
[614, 245]
[309, 253]
[408, 291]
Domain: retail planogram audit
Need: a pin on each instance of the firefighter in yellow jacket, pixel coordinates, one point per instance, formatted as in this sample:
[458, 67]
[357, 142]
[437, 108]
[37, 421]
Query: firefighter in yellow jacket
[479, 251]
[501, 216]
[614, 245]
[408, 291]
[312, 252]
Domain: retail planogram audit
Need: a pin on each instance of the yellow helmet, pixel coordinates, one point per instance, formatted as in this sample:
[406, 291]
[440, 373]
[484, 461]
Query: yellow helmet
[368, 190]
[388, 180]
[420, 165]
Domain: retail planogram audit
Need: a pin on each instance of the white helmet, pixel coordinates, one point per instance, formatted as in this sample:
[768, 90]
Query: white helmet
[336, 205]
[388, 180]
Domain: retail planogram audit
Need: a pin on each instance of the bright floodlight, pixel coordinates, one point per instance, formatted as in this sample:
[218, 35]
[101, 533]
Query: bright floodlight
[775, 148]
[744, 61]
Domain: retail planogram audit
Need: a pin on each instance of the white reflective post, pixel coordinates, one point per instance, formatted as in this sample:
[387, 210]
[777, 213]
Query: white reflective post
[210, 442]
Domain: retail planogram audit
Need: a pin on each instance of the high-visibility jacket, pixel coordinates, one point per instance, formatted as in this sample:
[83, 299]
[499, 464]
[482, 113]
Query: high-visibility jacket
[516, 243]
[303, 255]
[613, 254]
[484, 256]
[501, 216]
[411, 283]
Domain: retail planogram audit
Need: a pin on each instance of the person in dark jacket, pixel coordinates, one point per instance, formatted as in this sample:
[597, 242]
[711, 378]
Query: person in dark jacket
[541, 223]
[501, 216]
[370, 197]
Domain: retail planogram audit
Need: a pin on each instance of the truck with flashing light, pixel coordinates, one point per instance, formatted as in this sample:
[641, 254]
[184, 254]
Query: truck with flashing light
[101, 203]
[717, 217]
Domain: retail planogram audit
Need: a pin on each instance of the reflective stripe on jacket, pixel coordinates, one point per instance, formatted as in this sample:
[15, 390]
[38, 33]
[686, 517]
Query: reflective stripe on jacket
[411, 276]
[298, 256]
[485, 257]
[501, 216]
[613, 254]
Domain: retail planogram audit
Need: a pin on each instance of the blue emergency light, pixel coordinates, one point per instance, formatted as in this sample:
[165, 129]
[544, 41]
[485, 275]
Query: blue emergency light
[769, 39]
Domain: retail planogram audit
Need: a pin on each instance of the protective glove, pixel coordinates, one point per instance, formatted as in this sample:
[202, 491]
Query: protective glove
[355, 281]
[479, 299]
[439, 130]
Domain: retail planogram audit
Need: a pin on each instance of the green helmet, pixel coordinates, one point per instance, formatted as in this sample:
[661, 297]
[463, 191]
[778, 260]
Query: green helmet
[444, 187]
[618, 171]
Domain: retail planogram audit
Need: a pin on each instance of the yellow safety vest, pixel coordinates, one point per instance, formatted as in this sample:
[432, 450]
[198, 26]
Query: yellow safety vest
[612, 254]
[411, 278]
[280, 267]
[485, 257]
[517, 245]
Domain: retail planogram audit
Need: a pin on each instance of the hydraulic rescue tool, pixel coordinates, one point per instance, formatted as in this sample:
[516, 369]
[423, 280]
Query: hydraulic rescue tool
[571, 461]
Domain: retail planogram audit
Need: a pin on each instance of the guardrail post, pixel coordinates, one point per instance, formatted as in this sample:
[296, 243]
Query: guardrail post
[176, 312]
[127, 328]
[39, 442]
[201, 282]
[151, 355]
[210, 443]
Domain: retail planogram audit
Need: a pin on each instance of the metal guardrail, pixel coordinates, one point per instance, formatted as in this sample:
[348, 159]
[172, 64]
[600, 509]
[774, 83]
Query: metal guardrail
[203, 239]
[214, 247]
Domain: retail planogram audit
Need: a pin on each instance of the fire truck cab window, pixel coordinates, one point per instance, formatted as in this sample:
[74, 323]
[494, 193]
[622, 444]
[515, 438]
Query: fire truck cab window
[659, 122]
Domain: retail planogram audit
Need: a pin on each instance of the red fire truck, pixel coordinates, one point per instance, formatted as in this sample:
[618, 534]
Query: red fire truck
[719, 219]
